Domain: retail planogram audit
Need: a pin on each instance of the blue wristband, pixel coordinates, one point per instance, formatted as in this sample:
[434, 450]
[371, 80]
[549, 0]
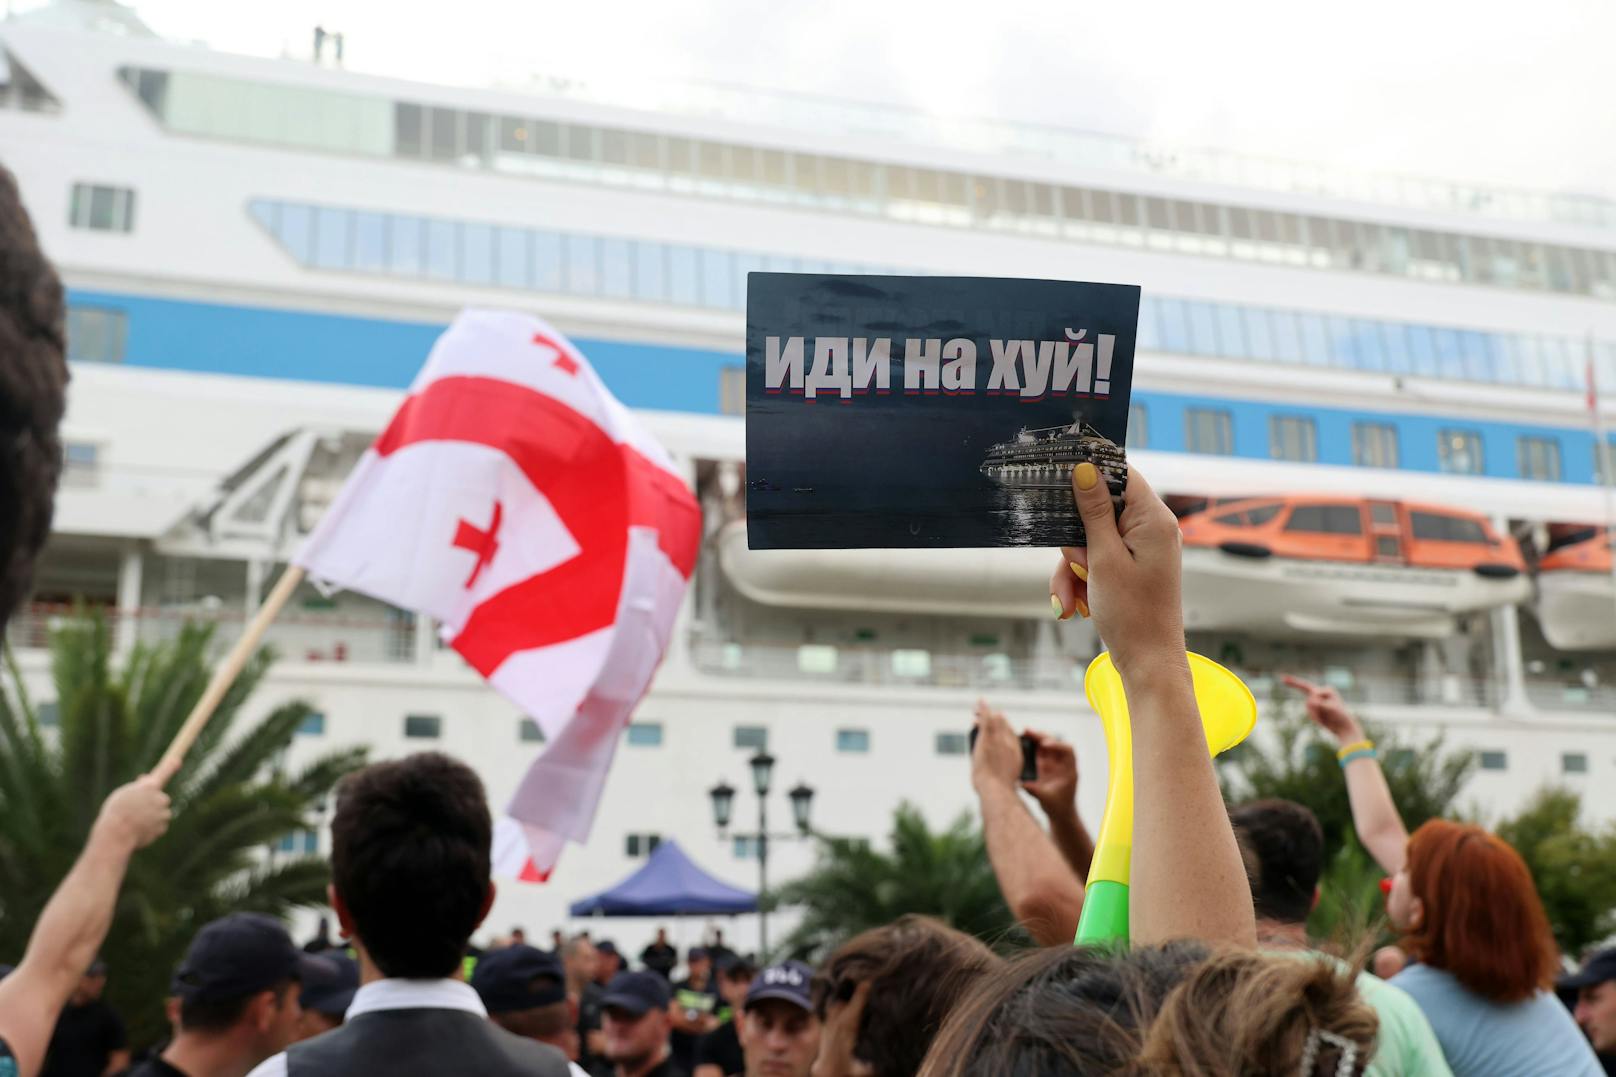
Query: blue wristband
[1361, 753]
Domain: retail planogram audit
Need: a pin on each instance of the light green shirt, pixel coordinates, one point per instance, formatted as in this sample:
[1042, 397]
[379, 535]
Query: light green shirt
[1406, 1045]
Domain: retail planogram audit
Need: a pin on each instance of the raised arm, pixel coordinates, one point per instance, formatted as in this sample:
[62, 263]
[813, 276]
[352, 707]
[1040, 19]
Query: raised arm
[1187, 877]
[74, 922]
[1056, 792]
[1374, 813]
[1042, 893]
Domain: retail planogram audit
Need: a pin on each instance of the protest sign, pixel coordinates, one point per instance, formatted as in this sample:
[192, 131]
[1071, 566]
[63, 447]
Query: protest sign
[887, 411]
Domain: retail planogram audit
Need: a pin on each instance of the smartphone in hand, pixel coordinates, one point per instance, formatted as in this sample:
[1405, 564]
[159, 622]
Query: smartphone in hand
[1029, 756]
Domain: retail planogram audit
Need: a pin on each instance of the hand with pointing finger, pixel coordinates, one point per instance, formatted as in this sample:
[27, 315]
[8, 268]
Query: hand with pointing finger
[1327, 710]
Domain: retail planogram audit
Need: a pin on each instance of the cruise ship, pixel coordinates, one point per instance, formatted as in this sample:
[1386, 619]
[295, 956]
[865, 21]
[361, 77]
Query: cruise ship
[260, 252]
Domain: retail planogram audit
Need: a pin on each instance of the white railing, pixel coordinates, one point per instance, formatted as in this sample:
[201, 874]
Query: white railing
[827, 664]
[297, 635]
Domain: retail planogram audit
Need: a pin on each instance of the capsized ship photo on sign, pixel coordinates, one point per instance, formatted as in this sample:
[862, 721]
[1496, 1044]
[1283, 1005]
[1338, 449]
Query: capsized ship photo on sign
[931, 411]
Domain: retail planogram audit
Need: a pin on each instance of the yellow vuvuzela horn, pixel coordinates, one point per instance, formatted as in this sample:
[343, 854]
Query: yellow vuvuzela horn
[1228, 713]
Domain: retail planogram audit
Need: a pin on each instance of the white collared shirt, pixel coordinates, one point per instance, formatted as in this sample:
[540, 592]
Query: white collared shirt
[391, 994]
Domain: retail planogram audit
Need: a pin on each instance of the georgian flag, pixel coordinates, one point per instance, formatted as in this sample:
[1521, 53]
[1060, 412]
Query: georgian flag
[515, 500]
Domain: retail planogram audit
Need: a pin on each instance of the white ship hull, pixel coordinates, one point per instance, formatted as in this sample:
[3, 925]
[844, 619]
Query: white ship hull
[1283, 596]
[1001, 582]
[1577, 610]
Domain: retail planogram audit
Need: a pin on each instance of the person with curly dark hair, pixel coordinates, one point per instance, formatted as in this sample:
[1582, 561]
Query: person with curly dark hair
[33, 394]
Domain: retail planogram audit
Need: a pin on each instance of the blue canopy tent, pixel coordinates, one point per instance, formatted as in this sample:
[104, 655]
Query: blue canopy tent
[670, 884]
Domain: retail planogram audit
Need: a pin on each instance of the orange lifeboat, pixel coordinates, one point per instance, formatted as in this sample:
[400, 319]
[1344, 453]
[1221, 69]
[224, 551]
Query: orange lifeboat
[1576, 600]
[1344, 566]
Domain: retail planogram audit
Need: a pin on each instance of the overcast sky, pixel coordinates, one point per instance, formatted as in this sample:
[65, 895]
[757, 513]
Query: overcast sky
[1427, 88]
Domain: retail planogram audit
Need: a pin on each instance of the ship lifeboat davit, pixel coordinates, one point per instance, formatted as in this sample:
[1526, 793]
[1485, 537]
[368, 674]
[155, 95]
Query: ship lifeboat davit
[1337, 566]
[1576, 593]
[1002, 582]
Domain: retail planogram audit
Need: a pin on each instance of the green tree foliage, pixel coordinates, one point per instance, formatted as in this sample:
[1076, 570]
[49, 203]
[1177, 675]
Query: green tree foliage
[853, 886]
[1575, 868]
[231, 801]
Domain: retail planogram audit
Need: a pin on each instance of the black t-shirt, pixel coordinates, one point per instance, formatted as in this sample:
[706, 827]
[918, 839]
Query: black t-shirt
[84, 1039]
[722, 1048]
[660, 957]
[670, 1068]
[589, 1021]
[156, 1067]
[690, 998]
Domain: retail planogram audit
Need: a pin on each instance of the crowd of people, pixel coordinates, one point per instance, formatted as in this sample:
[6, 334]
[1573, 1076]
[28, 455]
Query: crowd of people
[1218, 975]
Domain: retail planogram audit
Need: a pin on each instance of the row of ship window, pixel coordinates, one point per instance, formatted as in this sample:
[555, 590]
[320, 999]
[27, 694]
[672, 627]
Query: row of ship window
[1295, 438]
[305, 118]
[226, 107]
[490, 255]
[848, 740]
[745, 846]
[639, 734]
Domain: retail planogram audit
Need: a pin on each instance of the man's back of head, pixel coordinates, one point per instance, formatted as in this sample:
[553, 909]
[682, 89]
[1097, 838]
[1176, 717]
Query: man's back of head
[1283, 847]
[410, 863]
[33, 387]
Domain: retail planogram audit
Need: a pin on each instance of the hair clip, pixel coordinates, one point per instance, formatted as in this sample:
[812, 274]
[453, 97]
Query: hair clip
[1310, 1053]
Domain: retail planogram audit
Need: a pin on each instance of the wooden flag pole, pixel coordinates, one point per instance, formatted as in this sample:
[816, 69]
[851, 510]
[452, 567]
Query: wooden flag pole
[226, 674]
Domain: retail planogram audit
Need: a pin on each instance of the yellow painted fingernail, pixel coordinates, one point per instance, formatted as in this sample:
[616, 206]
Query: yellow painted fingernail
[1060, 611]
[1087, 476]
[1082, 607]
[1081, 572]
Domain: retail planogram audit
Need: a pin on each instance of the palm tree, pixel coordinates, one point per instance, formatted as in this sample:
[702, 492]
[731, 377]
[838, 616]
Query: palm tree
[231, 799]
[854, 887]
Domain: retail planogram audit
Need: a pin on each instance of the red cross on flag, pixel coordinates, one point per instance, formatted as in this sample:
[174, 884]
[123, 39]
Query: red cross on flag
[514, 499]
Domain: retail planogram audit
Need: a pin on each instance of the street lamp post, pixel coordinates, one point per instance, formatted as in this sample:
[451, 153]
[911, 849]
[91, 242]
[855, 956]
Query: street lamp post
[723, 799]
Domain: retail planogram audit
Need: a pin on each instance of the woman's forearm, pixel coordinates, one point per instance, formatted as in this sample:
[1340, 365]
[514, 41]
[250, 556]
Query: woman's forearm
[1374, 814]
[1188, 880]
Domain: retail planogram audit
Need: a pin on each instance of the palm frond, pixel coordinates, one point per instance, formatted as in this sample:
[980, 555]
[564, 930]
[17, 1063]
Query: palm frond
[229, 805]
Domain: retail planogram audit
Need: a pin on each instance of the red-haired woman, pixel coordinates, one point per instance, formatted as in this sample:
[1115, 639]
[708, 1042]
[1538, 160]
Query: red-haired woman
[1482, 955]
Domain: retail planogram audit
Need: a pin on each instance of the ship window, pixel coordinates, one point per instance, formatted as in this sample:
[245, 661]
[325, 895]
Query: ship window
[1208, 430]
[1138, 427]
[1293, 437]
[1374, 445]
[1438, 527]
[1233, 519]
[645, 734]
[1605, 463]
[96, 334]
[1459, 451]
[908, 662]
[1539, 458]
[1326, 519]
[102, 208]
[423, 726]
[1383, 514]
